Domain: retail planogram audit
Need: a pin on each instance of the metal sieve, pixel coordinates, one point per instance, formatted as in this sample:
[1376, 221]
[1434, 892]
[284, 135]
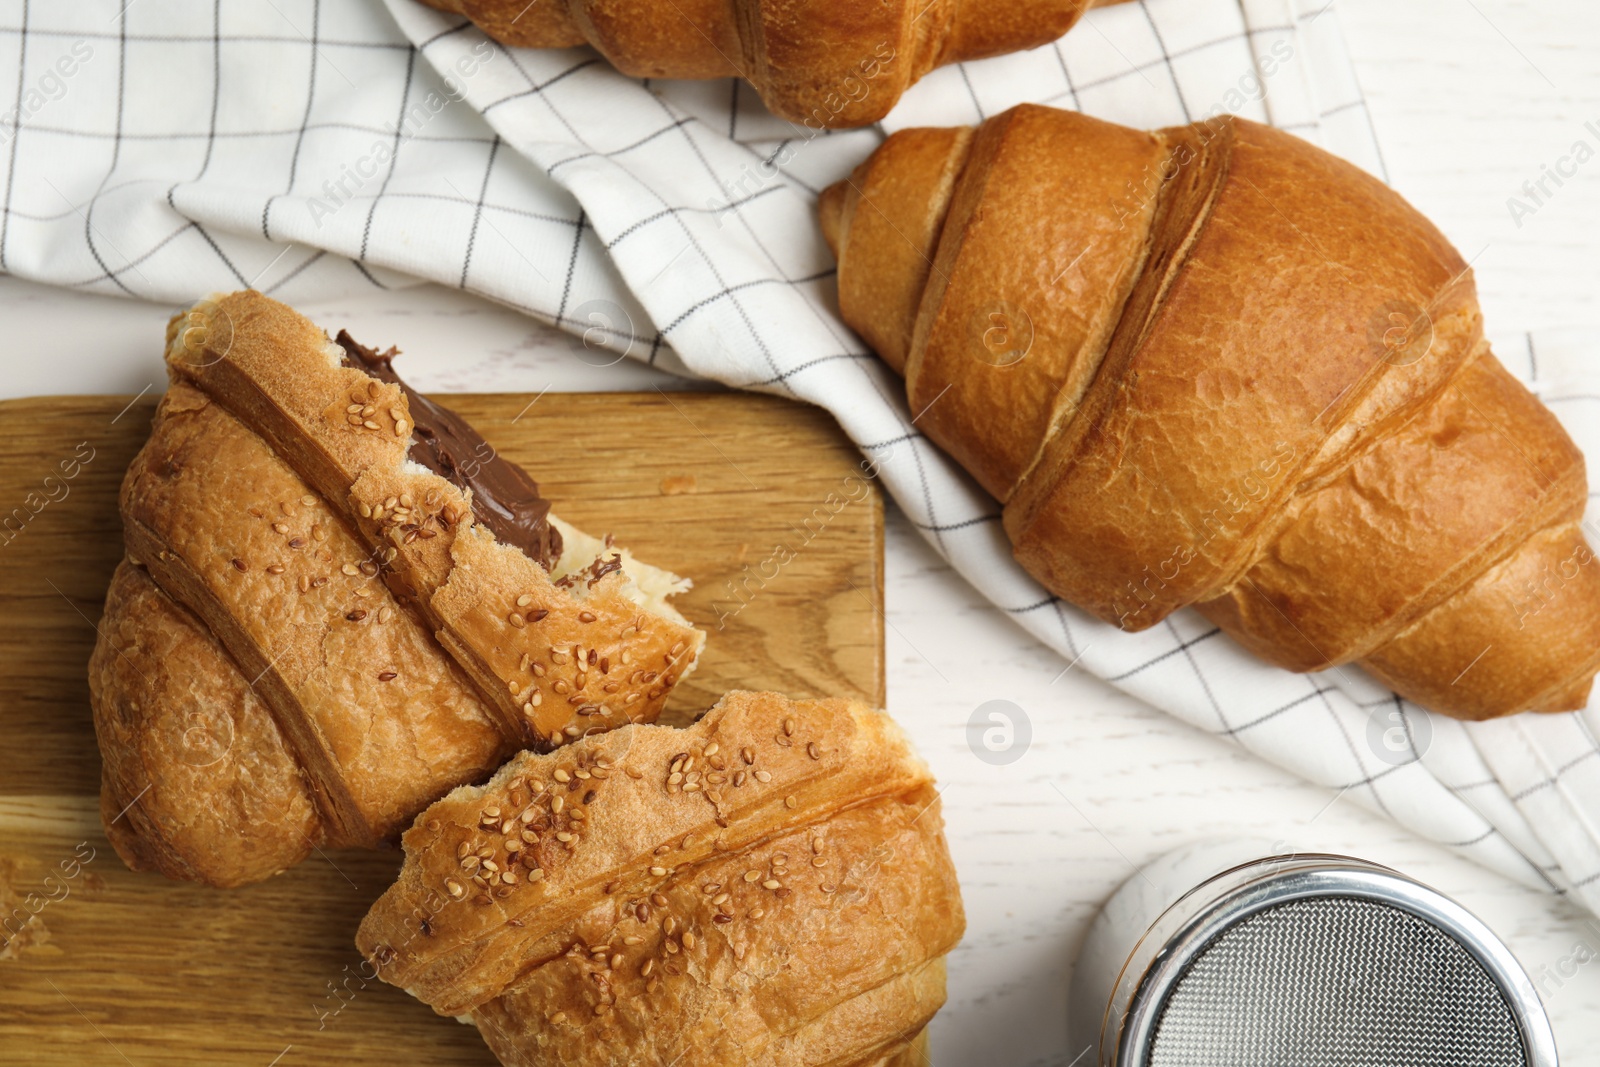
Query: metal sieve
[1216, 956]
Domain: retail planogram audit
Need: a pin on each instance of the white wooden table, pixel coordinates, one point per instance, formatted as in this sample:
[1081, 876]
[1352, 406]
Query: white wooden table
[1471, 99]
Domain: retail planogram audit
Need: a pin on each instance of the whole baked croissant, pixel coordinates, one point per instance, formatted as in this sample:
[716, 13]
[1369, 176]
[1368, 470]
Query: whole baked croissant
[337, 605]
[1216, 366]
[770, 887]
[824, 63]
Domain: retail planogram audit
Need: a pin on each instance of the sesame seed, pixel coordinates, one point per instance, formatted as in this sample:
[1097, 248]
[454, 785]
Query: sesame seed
[297, 542]
[658, 871]
[455, 888]
[788, 727]
[652, 985]
[557, 804]
[387, 676]
[671, 947]
[280, 527]
[670, 926]
[276, 568]
[748, 755]
[538, 615]
[712, 749]
[751, 876]
[516, 619]
[524, 600]
[369, 424]
[561, 775]
[239, 564]
[536, 874]
[558, 1018]
[356, 615]
[790, 802]
[772, 883]
[633, 772]
[813, 751]
[721, 919]
[586, 616]
[660, 901]
[763, 776]
[688, 939]
[758, 913]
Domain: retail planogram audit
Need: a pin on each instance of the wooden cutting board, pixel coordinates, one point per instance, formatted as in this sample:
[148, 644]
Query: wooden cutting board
[115, 967]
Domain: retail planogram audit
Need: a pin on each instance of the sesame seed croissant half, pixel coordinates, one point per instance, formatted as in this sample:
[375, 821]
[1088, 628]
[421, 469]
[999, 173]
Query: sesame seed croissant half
[317, 631]
[768, 886]
[1216, 366]
[824, 63]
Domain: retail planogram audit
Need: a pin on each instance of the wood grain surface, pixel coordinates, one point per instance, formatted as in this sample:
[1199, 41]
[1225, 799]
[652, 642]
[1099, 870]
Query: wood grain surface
[115, 967]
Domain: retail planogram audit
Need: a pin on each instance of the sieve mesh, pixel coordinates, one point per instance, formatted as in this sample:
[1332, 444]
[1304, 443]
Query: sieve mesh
[1335, 982]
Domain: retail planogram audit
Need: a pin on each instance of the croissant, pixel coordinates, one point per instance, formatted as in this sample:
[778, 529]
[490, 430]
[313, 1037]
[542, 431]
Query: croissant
[1216, 366]
[824, 63]
[769, 886]
[338, 604]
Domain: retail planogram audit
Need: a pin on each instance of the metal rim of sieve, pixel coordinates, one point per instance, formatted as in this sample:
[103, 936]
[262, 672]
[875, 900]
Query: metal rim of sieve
[1196, 919]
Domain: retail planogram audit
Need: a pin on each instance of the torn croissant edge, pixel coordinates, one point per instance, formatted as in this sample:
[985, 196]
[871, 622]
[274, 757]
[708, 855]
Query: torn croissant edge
[779, 866]
[310, 755]
[497, 611]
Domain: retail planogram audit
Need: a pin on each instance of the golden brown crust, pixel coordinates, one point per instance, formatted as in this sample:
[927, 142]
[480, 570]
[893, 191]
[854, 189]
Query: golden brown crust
[278, 373]
[197, 781]
[770, 885]
[785, 980]
[330, 581]
[381, 719]
[1213, 410]
[820, 62]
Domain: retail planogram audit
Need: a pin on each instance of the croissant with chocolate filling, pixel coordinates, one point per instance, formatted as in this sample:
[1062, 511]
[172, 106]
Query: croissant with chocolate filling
[769, 886]
[824, 63]
[338, 604]
[1216, 366]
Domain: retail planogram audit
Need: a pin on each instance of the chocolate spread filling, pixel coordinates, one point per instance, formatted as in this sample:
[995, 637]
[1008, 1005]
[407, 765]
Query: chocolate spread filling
[504, 498]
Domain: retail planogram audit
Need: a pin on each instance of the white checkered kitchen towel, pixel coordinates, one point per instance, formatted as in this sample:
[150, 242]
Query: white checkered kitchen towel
[167, 149]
